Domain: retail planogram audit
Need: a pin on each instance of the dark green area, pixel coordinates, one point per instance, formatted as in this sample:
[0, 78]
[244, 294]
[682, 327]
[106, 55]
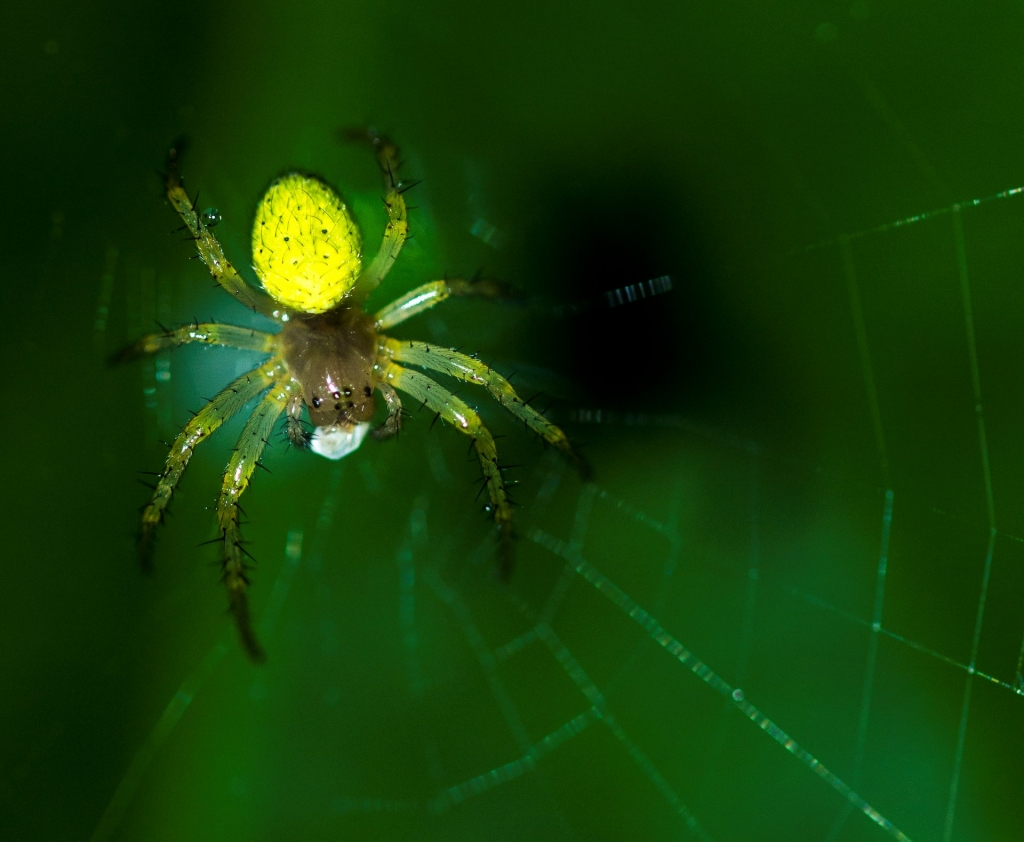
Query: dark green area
[814, 353]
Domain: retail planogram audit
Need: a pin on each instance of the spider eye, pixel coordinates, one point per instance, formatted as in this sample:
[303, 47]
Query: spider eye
[316, 402]
[335, 395]
[348, 392]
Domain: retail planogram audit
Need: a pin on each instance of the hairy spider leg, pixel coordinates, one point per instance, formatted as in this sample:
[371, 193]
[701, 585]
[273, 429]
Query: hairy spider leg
[296, 427]
[464, 367]
[393, 423]
[465, 420]
[243, 462]
[431, 294]
[243, 338]
[210, 249]
[397, 230]
[207, 420]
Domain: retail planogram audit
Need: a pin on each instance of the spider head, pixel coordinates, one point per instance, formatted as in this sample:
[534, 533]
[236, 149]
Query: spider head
[335, 397]
[332, 356]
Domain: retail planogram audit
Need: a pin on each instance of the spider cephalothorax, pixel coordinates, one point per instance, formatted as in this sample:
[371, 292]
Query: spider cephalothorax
[333, 357]
[328, 359]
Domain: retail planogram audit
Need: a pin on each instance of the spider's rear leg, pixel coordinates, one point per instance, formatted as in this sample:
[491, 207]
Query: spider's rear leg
[207, 333]
[433, 293]
[464, 367]
[244, 461]
[465, 420]
[205, 422]
[397, 230]
[209, 247]
[383, 146]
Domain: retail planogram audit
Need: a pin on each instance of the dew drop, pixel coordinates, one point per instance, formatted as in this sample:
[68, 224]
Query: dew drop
[211, 217]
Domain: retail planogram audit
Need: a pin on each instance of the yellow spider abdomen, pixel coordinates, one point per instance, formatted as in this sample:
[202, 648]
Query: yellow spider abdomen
[305, 245]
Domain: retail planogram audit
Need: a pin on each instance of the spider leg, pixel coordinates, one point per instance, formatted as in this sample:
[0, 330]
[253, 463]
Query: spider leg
[231, 336]
[210, 249]
[426, 296]
[295, 425]
[397, 230]
[465, 367]
[206, 421]
[393, 423]
[465, 420]
[244, 461]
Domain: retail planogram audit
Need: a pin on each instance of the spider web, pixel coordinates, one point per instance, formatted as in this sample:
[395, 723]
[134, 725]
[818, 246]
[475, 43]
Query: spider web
[745, 645]
[769, 700]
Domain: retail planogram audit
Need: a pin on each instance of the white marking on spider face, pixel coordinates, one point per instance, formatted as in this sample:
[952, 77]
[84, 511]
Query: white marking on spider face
[338, 440]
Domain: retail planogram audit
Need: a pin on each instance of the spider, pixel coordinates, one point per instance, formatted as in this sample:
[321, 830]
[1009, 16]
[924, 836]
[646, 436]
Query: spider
[328, 359]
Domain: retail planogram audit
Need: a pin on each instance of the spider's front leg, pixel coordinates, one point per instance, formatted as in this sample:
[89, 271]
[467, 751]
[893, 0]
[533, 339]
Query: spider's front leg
[465, 420]
[393, 423]
[463, 367]
[205, 422]
[245, 460]
[296, 427]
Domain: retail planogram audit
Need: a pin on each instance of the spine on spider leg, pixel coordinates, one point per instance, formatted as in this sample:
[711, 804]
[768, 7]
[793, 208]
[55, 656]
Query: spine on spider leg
[296, 429]
[237, 478]
[392, 425]
[237, 583]
[154, 512]
[208, 248]
[549, 432]
[396, 231]
[470, 369]
[298, 433]
[499, 504]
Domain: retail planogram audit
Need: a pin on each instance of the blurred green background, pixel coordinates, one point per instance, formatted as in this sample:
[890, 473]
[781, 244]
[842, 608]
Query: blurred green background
[819, 429]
